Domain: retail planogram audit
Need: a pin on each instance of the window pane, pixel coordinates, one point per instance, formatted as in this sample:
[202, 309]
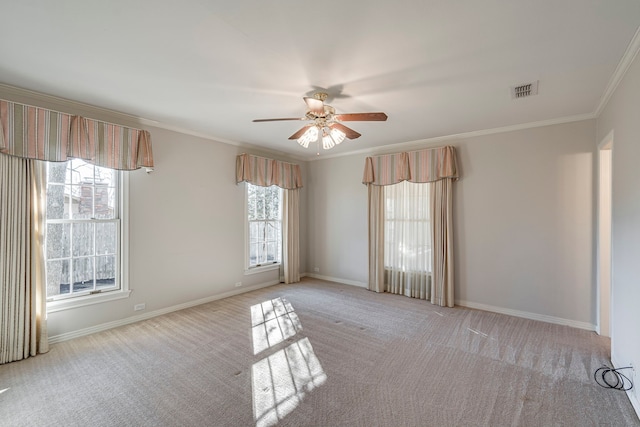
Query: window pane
[106, 238]
[83, 239]
[106, 177]
[251, 202]
[271, 231]
[58, 199]
[81, 171]
[105, 271]
[56, 172]
[260, 207]
[259, 231]
[253, 254]
[83, 274]
[105, 202]
[271, 252]
[57, 277]
[261, 258]
[58, 241]
[253, 232]
[268, 203]
[57, 202]
[274, 203]
[82, 196]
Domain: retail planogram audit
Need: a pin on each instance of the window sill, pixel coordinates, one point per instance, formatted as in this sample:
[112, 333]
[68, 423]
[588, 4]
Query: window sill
[262, 269]
[66, 304]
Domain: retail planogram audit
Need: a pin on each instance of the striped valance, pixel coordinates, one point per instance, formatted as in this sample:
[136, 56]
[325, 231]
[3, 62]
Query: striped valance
[267, 172]
[38, 133]
[415, 166]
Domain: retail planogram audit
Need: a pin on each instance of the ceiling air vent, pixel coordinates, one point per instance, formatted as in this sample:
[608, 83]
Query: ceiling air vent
[524, 90]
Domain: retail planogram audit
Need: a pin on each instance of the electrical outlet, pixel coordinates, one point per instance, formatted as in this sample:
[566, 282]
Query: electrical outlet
[316, 269]
[238, 284]
[139, 307]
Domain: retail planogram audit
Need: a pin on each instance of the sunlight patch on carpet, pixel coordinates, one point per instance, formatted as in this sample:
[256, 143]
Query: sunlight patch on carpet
[281, 380]
[272, 322]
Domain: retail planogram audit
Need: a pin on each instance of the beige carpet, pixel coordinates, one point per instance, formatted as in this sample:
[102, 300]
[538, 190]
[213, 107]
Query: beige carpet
[325, 355]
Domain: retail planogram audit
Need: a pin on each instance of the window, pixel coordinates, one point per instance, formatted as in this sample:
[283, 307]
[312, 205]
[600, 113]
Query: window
[264, 226]
[84, 232]
[407, 230]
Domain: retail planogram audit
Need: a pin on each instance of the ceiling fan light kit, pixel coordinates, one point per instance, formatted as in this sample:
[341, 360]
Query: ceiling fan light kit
[326, 123]
[310, 135]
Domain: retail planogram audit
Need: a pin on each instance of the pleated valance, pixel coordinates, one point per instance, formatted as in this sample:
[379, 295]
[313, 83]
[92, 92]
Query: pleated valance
[267, 172]
[42, 134]
[427, 165]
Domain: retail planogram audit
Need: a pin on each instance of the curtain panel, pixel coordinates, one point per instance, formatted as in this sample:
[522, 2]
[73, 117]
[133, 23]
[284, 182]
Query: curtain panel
[267, 172]
[41, 134]
[290, 236]
[436, 167]
[23, 325]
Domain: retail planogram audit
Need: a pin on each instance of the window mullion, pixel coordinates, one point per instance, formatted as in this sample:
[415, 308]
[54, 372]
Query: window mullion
[95, 247]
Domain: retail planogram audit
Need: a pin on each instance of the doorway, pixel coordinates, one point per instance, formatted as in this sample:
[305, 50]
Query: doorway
[605, 172]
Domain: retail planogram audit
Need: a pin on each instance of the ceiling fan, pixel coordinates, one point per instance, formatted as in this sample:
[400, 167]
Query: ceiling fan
[326, 124]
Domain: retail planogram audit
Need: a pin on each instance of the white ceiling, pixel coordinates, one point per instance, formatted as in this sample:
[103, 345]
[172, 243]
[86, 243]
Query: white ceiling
[436, 67]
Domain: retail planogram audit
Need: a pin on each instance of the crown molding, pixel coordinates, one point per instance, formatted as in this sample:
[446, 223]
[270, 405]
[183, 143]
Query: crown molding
[621, 70]
[42, 100]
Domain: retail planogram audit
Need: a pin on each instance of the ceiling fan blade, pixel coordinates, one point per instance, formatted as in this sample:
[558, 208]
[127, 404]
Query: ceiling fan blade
[300, 132]
[362, 117]
[279, 120]
[315, 106]
[349, 133]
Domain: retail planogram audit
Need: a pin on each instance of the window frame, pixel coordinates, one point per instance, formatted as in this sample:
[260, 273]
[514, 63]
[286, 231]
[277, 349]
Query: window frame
[255, 269]
[122, 259]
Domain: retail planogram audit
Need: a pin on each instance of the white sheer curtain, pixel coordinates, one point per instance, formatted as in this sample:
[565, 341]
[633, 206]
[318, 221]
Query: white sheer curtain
[407, 239]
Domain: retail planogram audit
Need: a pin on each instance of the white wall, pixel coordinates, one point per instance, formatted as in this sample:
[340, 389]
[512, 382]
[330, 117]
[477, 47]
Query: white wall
[524, 221]
[621, 116]
[338, 220]
[186, 232]
[524, 217]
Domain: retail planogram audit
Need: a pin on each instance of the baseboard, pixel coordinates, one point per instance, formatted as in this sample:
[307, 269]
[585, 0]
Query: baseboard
[110, 325]
[335, 279]
[528, 315]
[485, 307]
[631, 394]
